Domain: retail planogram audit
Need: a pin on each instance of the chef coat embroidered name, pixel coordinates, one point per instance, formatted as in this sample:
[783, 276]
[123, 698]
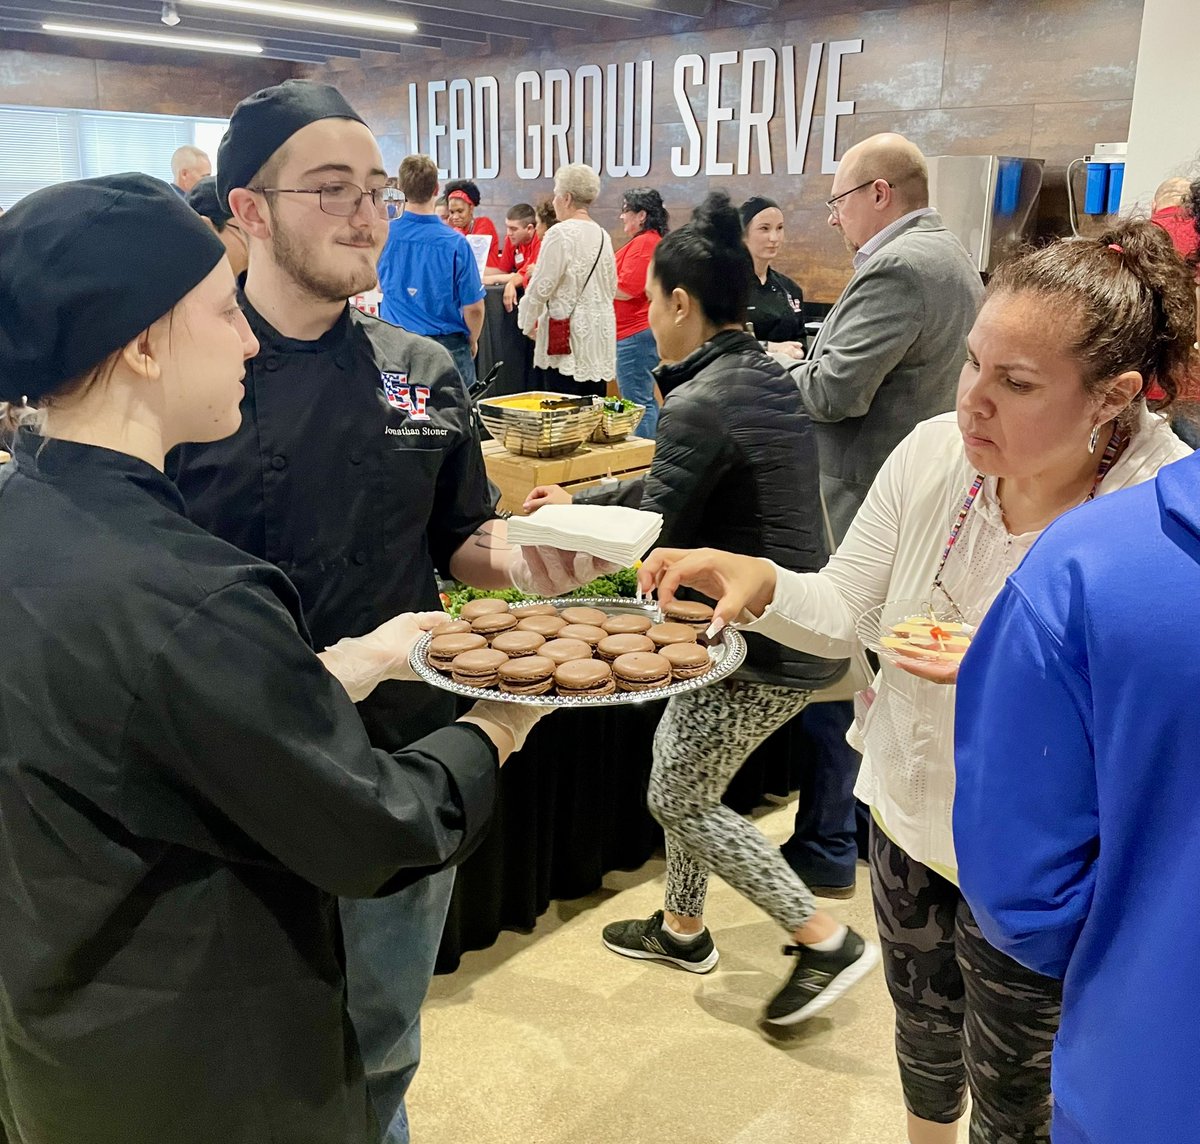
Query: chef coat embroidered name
[410, 399]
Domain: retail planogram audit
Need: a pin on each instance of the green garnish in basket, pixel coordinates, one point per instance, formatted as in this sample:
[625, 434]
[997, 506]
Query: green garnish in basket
[618, 405]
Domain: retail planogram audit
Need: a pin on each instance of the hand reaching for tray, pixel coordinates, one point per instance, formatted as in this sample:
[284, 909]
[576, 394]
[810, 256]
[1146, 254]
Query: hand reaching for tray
[739, 584]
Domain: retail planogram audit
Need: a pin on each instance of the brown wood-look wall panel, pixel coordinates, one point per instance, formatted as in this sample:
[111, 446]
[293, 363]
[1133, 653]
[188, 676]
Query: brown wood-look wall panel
[129, 79]
[1046, 78]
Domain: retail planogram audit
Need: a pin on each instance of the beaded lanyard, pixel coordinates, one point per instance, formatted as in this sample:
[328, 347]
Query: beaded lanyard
[1116, 446]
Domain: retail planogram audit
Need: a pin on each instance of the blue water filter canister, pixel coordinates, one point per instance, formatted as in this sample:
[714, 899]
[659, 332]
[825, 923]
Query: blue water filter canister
[1116, 179]
[1096, 195]
[1008, 187]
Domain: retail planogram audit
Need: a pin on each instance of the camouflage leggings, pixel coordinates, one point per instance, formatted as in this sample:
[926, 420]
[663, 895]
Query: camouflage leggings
[702, 739]
[966, 1014]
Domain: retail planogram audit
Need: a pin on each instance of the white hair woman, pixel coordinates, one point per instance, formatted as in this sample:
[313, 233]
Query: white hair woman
[574, 282]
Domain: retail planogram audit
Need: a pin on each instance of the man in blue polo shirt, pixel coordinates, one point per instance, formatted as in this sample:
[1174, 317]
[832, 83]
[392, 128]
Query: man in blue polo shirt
[427, 272]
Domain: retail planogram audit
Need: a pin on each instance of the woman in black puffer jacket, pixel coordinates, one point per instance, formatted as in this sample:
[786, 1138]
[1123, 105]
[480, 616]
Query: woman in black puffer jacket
[735, 467]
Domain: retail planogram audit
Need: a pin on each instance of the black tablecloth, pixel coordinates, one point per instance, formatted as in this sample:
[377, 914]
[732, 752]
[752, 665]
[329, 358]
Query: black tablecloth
[502, 341]
[572, 807]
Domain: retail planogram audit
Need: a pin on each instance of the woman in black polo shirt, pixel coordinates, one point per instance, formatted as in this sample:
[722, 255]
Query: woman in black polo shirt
[776, 307]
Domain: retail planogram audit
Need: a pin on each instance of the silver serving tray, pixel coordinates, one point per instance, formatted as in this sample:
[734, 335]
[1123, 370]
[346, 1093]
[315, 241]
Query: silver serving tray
[728, 652]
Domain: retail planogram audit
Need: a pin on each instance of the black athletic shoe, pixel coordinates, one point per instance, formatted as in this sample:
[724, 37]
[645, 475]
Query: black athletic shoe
[819, 979]
[648, 939]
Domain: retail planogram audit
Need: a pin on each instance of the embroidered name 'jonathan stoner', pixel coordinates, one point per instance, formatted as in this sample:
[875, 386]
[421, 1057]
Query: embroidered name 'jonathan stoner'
[410, 399]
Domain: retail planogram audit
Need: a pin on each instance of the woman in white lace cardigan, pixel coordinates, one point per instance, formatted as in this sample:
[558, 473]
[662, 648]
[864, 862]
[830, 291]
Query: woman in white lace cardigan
[575, 277]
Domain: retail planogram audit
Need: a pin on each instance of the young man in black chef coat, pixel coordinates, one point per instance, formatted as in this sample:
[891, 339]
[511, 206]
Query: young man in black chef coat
[357, 470]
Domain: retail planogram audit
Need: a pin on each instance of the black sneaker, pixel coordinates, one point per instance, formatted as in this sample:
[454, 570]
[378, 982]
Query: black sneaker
[820, 978]
[647, 938]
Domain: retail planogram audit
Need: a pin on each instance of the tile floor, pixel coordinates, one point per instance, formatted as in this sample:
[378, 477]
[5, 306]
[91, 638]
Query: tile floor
[548, 1038]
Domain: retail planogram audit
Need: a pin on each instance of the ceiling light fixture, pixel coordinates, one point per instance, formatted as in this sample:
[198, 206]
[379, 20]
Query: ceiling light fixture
[310, 13]
[170, 14]
[156, 39]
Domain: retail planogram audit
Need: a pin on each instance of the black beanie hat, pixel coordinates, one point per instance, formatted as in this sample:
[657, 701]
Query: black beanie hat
[86, 266]
[265, 121]
[203, 199]
[755, 205]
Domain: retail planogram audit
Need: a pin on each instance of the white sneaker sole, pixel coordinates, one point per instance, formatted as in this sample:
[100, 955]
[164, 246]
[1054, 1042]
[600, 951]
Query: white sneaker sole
[705, 966]
[846, 980]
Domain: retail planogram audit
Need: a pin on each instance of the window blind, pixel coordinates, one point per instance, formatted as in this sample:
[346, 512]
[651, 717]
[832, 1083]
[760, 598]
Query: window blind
[40, 147]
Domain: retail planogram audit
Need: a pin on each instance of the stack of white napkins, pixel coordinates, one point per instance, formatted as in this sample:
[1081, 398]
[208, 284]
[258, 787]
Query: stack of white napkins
[608, 532]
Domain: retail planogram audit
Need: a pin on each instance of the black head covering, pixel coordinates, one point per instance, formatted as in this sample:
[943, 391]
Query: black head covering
[754, 205]
[84, 268]
[265, 121]
[203, 199]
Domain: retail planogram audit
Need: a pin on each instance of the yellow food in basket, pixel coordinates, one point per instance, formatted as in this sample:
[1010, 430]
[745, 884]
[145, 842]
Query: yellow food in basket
[534, 403]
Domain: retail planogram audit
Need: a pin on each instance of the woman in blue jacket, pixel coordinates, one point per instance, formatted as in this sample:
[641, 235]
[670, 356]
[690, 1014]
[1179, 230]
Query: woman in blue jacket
[1076, 817]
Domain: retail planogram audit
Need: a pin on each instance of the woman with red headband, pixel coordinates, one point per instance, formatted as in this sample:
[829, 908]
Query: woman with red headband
[462, 197]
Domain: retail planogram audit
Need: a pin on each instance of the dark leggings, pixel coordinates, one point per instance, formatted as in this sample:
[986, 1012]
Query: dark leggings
[967, 1015]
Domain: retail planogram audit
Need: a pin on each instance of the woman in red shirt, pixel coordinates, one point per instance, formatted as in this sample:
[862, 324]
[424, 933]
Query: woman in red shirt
[462, 197]
[644, 220]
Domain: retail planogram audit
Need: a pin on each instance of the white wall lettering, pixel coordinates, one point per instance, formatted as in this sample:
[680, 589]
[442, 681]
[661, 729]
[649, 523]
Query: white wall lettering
[689, 69]
[835, 108]
[751, 122]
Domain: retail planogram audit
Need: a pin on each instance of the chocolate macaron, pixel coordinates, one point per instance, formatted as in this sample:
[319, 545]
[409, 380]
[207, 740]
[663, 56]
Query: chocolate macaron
[641, 671]
[698, 616]
[584, 678]
[450, 628]
[687, 660]
[592, 616]
[516, 644]
[443, 649]
[627, 624]
[563, 650]
[491, 624]
[664, 634]
[548, 626]
[589, 633]
[476, 608]
[478, 668]
[624, 643]
[529, 675]
[524, 611]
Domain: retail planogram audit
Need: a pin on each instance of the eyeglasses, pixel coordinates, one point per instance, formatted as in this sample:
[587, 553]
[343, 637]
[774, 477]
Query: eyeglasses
[832, 203]
[343, 199]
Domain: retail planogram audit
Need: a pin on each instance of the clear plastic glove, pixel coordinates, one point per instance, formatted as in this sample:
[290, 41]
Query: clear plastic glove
[506, 722]
[541, 571]
[361, 663]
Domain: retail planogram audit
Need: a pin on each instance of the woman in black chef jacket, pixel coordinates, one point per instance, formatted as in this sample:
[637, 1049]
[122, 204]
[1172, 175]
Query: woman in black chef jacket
[184, 784]
[776, 307]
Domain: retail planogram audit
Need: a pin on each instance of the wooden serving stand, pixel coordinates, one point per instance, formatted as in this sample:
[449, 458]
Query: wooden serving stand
[516, 476]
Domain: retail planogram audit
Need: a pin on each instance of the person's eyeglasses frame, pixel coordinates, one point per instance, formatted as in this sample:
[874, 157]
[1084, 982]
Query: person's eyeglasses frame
[381, 197]
[832, 204]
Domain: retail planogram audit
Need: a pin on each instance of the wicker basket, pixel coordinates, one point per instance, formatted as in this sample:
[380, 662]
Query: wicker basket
[536, 432]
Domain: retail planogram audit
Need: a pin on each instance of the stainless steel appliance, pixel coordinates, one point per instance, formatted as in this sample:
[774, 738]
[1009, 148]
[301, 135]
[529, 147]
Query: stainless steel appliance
[988, 201]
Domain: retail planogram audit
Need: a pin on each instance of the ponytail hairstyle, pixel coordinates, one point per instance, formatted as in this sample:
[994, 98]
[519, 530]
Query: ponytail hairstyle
[707, 258]
[1127, 299]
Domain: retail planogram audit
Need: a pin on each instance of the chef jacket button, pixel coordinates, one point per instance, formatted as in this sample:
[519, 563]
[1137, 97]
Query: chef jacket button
[271, 363]
[360, 558]
[278, 462]
[356, 457]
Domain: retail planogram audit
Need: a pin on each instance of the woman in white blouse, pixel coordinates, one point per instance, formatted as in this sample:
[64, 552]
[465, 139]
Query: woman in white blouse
[575, 277]
[1051, 412]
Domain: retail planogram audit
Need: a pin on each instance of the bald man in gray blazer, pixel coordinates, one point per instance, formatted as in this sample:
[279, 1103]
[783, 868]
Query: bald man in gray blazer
[889, 354]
